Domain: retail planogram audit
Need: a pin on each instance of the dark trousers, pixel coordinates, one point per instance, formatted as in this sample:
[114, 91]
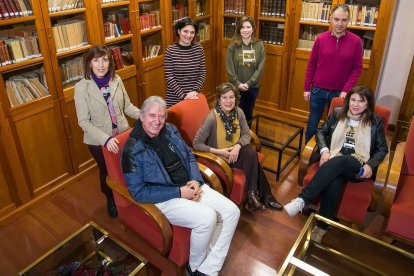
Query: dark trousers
[97, 154]
[255, 176]
[328, 183]
[247, 102]
[319, 98]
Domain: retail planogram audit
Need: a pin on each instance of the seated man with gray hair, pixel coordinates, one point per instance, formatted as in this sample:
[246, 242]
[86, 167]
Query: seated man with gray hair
[159, 168]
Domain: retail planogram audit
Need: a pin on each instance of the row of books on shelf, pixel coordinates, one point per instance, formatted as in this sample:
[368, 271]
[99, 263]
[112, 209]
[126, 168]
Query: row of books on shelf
[367, 53]
[149, 20]
[18, 45]
[26, 87]
[179, 11]
[203, 31]
[272, 33]
[316, 12]
[116, 54]
[150, 51]
[311, 32]
[229, 29]
[69, 34]
[15, 8]
[235, 6]
[62, 5]
[71, 70]
[199, 11]
[363, 15]
[273, 8]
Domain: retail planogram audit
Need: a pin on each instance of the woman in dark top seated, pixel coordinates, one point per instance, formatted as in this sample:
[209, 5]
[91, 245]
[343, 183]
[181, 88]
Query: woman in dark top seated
[352, 144]
[225, 133]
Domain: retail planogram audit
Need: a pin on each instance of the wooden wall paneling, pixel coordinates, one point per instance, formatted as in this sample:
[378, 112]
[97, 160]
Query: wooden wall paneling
[296, 104]
[128, 76]
[406, 110]
[43, 147]
[209, 87]
[13, 172]
[79, 153]
[271, 81]
[153, 77]
[380, 42]
[9, 199]
[222, 76]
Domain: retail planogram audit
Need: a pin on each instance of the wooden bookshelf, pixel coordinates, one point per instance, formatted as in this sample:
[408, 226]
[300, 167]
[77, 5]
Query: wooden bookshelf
[41, 138]
[306, 24]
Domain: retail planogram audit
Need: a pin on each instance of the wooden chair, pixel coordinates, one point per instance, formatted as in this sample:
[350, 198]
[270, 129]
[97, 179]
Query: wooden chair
[170, 242]
[399, 193]
[358, 198]
[188, 117]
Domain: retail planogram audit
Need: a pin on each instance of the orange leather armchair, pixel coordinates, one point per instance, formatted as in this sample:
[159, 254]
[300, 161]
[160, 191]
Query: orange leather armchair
[168, 241]
[399, 192]
[188, 117]
[358, 198]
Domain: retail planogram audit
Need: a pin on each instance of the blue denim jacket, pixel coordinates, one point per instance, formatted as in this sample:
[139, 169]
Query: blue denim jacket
[145, 175]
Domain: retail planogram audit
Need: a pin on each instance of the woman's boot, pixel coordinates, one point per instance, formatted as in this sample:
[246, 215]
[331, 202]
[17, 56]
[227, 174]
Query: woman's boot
[270, 202]
[253, 202]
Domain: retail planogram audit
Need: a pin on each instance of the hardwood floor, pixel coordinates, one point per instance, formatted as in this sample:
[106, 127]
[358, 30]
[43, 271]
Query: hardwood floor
[259, 247]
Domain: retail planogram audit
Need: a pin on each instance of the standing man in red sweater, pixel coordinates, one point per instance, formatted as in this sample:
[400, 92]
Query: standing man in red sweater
[334, 66]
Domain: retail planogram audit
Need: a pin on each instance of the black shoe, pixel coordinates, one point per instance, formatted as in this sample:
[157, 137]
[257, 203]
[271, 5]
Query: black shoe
[112, 212]
[253, 202]
[271, 203]
[189, 272]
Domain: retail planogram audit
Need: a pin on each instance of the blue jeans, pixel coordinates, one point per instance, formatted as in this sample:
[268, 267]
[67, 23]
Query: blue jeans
[247, 102]
[318, 99]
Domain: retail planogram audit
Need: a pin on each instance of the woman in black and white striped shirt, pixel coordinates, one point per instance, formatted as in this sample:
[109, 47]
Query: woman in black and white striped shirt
[184, 64]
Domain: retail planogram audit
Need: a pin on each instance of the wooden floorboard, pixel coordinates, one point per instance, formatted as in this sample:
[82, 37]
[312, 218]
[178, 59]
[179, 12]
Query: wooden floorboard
[261, 242]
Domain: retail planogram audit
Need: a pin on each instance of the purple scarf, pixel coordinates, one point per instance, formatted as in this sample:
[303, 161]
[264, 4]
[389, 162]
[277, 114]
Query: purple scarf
[103, 85]
[101, 82]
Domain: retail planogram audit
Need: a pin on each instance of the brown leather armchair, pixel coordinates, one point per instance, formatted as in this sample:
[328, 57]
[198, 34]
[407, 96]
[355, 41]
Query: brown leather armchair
[169, 241]
[188, 117]
[399, 192]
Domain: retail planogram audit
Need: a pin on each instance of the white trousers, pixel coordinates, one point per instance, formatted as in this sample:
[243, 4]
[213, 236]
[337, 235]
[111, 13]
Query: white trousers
[213, 220]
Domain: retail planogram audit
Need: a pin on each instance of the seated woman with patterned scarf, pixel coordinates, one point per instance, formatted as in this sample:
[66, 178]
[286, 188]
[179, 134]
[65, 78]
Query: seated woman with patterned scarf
[225, 133]
[352, 144]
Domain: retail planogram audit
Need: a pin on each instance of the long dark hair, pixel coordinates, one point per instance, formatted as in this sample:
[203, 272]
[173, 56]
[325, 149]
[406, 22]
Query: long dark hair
[237, 39]
[367, 117]
[223, 89]
[97, 52]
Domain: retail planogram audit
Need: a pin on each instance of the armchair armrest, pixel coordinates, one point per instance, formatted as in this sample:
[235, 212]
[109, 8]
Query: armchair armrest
[255, 141]
[310, 149]
[211, 178]
[393, 178]
[380, 182]
[219, 162]
[150, 210]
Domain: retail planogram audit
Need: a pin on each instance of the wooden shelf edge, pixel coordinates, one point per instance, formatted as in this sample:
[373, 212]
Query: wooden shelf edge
[15, 20]
[118, 39]
[21, 64]
[114, 4]
[67, 12]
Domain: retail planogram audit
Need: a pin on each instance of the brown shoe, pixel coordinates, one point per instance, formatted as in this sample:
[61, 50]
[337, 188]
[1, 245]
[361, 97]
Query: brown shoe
[271, 203]
[253, 202]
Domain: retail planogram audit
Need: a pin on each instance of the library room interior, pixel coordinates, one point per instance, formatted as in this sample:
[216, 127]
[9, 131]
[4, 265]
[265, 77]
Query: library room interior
[75, 201]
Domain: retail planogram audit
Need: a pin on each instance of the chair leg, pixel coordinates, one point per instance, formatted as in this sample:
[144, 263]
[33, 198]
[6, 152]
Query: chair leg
[357, 227]
[387, 239]
[123, 228]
